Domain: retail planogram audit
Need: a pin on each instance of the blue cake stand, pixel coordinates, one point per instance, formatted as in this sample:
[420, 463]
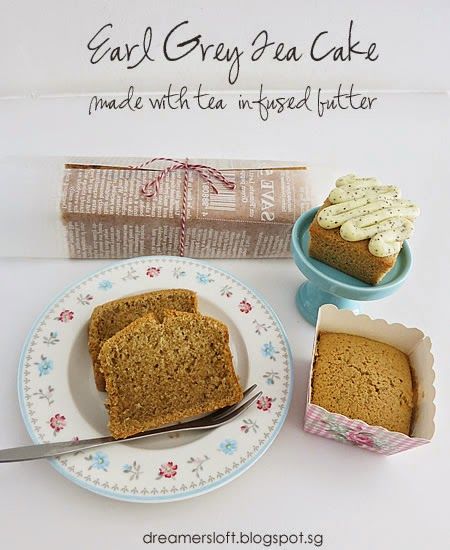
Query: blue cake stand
[327, 285]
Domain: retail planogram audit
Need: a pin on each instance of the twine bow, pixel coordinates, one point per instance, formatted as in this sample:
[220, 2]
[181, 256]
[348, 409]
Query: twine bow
[207, 173]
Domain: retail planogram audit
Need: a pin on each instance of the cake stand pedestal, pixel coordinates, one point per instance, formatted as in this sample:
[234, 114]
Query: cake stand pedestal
[326, 285]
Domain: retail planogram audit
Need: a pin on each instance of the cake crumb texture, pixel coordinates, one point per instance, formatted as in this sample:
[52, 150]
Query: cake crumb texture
[353, 258]
[161, 373]
[109, 318]
[364, 380]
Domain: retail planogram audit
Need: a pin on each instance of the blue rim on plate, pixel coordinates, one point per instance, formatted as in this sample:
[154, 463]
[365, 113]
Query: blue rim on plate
[27, 357]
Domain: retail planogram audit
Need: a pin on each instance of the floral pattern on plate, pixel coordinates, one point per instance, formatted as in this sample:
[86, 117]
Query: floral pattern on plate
[53, 406]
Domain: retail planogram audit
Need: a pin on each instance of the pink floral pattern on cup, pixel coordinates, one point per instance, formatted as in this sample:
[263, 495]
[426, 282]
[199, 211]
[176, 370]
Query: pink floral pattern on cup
[361, 439]
[371, 438]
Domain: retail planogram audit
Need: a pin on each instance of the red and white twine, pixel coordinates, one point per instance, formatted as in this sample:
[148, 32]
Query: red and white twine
[208, 173]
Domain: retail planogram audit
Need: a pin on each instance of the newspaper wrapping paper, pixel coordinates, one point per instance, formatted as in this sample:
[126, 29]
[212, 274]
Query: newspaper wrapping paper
[105, 215]
[411, 341]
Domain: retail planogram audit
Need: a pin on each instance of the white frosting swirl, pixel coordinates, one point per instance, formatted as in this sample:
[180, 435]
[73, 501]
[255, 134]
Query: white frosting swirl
[365, 209]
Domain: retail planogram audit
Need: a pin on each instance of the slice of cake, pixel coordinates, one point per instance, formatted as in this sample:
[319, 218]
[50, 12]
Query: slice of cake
[109, 318]
[361, 227]
[160, 373]
[363, 380]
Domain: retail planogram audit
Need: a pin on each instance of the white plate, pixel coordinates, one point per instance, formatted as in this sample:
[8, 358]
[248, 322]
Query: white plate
[59, 401]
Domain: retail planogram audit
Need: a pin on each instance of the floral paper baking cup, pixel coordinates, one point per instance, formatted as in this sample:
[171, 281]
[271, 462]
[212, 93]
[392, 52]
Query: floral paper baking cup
[411, 341]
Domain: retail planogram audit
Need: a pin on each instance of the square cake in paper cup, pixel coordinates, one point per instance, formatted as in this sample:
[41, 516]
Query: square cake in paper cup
[365, 379]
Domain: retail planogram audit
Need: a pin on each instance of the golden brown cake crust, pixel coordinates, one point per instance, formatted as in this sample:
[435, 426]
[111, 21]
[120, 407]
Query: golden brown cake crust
[109, 318]
[353, 258]
[363, 380]
[160, 373]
